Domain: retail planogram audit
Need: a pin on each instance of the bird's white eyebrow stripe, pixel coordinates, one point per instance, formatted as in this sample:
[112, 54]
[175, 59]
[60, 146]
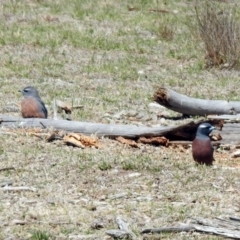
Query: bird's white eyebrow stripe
[203, 126]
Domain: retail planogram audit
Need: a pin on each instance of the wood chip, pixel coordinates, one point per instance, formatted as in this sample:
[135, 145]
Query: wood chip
[154, 141]
[80, 140]
[129, 142]
[216, 137]
[235, 154]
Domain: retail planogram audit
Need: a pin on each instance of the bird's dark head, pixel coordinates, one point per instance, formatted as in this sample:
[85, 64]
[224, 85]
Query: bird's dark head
[30, 91]
[204, 129]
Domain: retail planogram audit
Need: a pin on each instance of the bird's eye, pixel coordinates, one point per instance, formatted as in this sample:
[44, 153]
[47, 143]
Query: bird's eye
[25, 90]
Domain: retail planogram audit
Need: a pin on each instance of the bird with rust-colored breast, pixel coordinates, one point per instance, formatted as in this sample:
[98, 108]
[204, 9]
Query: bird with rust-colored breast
[202, 148]
[32, 105]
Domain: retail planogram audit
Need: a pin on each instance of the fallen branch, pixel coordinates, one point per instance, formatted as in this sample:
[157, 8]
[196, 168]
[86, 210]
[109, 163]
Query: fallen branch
[124, 226]
[194, 106]
[122, 232]
[186, 228]
[183, 132]
[223, 227]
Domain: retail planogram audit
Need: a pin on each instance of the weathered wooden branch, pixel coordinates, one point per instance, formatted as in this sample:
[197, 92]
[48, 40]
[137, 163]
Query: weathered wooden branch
[124, 226]
[122, 232]
[183, 132]
[194, 106]
[187, 131]
[223, 227]
[183, 228]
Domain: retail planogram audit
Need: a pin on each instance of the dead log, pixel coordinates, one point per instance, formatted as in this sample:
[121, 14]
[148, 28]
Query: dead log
[183, 132]
[194, 106]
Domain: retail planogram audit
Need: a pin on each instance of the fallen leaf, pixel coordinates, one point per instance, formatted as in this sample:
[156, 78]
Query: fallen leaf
[216, 137]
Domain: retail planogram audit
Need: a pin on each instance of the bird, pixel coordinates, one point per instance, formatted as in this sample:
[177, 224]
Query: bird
[202, 148]
[32, 105]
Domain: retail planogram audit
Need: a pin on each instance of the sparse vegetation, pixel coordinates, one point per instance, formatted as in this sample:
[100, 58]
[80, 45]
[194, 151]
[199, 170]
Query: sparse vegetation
[219, 29]
[40, 235]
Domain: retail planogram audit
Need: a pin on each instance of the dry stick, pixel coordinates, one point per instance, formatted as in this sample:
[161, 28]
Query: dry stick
[194, 106]
[124, 226]
[7, 188]
[186, 228]
[206, 229]
[218, 226]
[7, 168]
[55, 117]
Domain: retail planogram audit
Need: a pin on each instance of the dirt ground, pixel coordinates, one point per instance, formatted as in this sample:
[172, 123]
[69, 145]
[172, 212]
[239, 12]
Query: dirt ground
[108, 57]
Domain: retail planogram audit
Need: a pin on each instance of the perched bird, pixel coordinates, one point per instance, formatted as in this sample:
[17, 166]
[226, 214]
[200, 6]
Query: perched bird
[202, 149]
[32, 106]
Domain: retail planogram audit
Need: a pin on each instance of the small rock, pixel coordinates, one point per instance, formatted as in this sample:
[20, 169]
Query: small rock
[162, 121]
[117, 116]
[132, 113]
[136, 174]
[18, 222]
[97, 224]
[235, 154]
[116, 233]
[226, 147]
[140, 115]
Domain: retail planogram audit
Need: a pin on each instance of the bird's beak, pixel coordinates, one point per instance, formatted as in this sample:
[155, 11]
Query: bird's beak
[20, 91]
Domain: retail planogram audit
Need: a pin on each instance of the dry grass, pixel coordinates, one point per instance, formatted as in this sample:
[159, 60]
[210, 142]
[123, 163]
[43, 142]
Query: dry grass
[220, 32]
[110, 60]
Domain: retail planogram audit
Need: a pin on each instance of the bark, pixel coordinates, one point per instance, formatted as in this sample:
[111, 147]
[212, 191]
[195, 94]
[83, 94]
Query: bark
[194, 106]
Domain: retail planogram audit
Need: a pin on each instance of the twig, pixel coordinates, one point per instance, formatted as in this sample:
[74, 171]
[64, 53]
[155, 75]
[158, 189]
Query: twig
[7, 188]
[6, 169]
[42, 125]
[55, 117]
[186, 228]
